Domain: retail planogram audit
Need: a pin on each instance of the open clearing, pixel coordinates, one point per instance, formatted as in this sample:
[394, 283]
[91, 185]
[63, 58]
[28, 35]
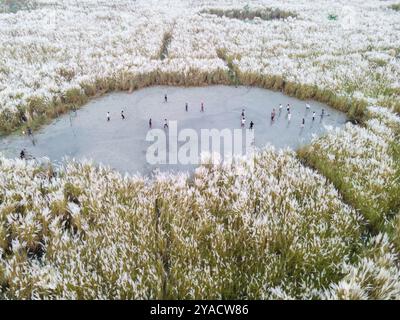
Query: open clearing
[122, 144]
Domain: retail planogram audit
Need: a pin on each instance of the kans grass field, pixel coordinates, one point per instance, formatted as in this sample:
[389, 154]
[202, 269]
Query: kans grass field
[320, 222]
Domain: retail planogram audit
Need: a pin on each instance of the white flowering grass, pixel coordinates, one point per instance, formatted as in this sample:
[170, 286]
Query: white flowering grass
[65, 51]
[363, 164]
[275, 229]
[375, 276]
[86, 232]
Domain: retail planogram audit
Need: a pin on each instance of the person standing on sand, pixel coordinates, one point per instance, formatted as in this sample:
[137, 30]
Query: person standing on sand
[273, 115]
[202, 107]
[313, 116]
[150, 124]
[165, 98]
[251, 125]
[288, 108]
[243, 122]
[289, 116]
[186, 107]
[165, 124]
[303, 123]
[242, 113]
[122, 115]
[108, 116]
[30, 135]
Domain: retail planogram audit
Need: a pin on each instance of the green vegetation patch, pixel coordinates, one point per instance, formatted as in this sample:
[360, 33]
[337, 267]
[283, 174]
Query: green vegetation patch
[395, 7]
[163, 53]
[250, 14]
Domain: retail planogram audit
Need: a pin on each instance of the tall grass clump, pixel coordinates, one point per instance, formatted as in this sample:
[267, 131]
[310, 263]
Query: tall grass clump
[361, 163]
[163, 53]
[395, 196]
[232, 68]
[275, 229]
[373, 276]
